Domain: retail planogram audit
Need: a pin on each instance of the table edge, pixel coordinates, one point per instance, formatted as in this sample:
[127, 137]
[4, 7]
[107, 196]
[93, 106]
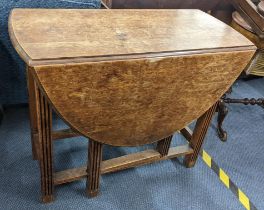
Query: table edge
[100, 58]
[78, 60]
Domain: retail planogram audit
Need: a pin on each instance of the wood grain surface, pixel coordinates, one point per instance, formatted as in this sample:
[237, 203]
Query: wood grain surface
[43, 36]
[135, 102]
[143, 74]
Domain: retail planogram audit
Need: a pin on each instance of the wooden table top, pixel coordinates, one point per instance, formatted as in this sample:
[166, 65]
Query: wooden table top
[129, 77]
[45, 36]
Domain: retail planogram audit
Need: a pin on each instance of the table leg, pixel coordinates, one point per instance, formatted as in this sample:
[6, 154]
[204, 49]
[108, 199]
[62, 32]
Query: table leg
[95, 152]
[33, 114]
[45, 148]
[198, 136]
[163, 146]
[222, 113]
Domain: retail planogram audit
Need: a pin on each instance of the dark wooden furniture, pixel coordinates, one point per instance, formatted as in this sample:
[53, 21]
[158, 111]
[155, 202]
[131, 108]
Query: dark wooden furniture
[127, 78]
[247, 20]
[164, 4]
[222, 9]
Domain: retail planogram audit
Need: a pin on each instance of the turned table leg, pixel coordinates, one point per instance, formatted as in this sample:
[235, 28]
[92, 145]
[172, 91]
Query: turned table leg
[45, 149]
[95, 152]
[198, 136]
[163, 146]
[33, 113]
[222, 112]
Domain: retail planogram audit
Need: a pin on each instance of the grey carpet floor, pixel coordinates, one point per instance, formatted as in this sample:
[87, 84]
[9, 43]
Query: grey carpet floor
[163, 185]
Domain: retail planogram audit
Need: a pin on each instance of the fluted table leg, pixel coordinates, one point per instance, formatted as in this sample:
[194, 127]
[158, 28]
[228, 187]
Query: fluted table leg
[198, 136]
[163, 146]
[45, 153]
[33, 113]
[95, 151]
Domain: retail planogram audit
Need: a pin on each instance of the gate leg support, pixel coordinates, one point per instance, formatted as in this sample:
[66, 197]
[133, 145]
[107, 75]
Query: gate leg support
[163, 146]
[198, 136]
[33, 113]
[95, 151]
[45, 153]
[222, 112]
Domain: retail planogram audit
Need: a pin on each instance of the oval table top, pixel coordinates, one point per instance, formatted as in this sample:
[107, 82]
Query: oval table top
[129, 77]
[44, 36]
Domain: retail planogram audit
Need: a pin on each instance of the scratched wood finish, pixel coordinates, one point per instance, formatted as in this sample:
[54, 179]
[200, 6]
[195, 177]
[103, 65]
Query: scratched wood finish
[128, 104]
[47, 36]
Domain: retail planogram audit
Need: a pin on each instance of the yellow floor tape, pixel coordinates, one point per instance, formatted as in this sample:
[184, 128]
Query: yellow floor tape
[223, 176]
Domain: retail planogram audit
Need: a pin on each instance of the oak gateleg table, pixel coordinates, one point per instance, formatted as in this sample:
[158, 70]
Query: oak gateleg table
[123, 78]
